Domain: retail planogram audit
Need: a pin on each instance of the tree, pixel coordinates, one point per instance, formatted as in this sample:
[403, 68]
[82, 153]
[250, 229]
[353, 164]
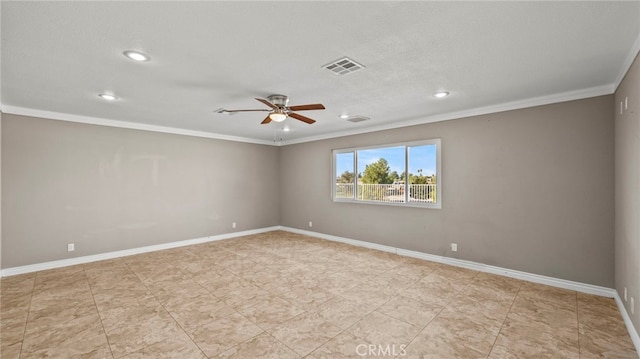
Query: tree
[419, 179]
[377, 172]
[346, 177]
[393, 176]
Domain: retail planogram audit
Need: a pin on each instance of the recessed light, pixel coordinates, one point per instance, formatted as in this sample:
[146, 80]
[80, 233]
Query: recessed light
[108, 97]
[441, 94]
[344, 116]
[136, 55]
[286, 129]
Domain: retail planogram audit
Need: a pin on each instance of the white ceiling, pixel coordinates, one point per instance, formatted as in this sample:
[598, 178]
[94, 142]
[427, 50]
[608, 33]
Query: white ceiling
[57, 56]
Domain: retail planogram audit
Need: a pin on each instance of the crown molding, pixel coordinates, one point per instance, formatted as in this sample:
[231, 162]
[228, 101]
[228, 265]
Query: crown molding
[626, 65]
[507, 106]
[23, 111]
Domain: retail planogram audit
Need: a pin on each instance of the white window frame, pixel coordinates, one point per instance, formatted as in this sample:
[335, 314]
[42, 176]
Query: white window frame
[406, 145]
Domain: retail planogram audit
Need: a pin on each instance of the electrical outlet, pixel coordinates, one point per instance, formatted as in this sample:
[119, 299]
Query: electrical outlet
[454, 247]
[71, 247]
[625, 294]
[626, 103]
[310, 224]
[632, 307]
[233, 225]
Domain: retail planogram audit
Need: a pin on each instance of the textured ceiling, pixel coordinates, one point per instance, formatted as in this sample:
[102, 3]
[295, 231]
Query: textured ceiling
[57, 56]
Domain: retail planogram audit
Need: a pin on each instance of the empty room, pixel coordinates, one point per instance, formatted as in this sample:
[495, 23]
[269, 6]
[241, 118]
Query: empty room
[319, 179]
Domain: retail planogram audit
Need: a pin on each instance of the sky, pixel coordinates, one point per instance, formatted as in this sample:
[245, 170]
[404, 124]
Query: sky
[420, 157]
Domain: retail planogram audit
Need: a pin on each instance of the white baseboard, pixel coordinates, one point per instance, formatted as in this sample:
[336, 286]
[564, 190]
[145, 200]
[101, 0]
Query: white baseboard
[127, 252]
[530, 277]
[554, 282]
[635, 338]
[354, 242]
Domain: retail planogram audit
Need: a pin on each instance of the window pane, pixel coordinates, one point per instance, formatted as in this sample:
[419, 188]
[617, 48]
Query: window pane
[345, 163]
[380, 172]
[402, 174]
[423, 178]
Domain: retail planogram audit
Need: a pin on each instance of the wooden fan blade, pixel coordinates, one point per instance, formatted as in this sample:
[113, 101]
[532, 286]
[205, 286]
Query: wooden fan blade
[262, 110]
[266, 120]
[266, 102]
[301, 118]
[316, 106]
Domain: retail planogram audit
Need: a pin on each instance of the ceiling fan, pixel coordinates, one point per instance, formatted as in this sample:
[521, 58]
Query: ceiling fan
[279, 110]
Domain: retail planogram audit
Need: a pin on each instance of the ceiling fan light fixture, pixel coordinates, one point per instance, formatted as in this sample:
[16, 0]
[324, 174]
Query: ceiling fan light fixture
[136, 55]
[108, 96]
[277, 116]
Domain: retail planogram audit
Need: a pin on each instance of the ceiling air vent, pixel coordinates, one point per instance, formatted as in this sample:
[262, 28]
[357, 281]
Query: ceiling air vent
[343, 66]
[357, 118]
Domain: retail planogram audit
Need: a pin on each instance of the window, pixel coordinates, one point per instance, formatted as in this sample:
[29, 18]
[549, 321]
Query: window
[405, 174]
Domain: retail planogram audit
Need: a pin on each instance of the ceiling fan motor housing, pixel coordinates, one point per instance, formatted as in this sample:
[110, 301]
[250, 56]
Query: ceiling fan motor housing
[279, 100]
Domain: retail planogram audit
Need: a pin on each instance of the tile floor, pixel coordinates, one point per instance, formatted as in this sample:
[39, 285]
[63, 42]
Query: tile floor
[283, 295]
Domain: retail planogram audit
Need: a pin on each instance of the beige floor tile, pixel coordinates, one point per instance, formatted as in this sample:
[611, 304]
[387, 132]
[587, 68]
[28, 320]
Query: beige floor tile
[435, 289]
[65, 312]
[345, 345]
[602, 331]
[138, 325]
[220, 335]
[14, 291]
[174, 292]
[343, 312]
[261, 346]
[558, 297]
[380, 330]
[327, 299]
[410, 310]
[10, 350]
[158, 273]
[374, 295]
[434, 344]
[304, 297]
[453, 333]
[520, 340]
[182, 348]
[543, 315]
[600, 344]
[243, 297]
[376, 333]
[498, 282]
[11, 333]
[117, 297]
[81, 337]
[109, 279]
[70, 292]
[143, 308]
[456, 273]
[198, 311]
[305, 333]
[270, 311]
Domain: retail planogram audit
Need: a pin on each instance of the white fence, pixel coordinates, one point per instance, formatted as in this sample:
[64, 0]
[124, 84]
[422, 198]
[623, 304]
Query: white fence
[387, 192]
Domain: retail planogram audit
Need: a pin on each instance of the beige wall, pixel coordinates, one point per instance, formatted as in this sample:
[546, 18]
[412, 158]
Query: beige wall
[627, 190]
[0, 189]
[530, 190]
[108, 189]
